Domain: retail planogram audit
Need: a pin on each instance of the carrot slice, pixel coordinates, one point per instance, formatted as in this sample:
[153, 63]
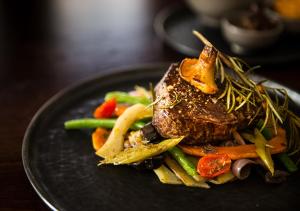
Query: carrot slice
[99, 137]
[277, 145]
[120, 109]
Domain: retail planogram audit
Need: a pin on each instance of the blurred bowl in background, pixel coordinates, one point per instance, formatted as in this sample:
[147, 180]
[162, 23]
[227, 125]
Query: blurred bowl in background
[211, 11]
[244, 40]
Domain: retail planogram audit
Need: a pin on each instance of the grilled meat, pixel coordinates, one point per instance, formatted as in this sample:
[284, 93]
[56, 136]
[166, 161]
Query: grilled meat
[183, 110]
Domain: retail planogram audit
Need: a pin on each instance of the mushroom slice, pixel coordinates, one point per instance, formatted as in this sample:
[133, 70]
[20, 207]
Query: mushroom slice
[200, 72]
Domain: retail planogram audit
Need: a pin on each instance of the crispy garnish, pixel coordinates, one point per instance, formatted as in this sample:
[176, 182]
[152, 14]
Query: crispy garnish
[200, 72]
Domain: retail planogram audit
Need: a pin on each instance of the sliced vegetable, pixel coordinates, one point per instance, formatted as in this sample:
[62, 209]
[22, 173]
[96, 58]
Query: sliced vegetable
[94, 123]
[223, 178]
[106, 109]
[182, 174]
[241, 168]
[288, 162]
[166, 176]
[141, 91]
[277, 145]
[140, 152]
[120, 109]
[262, 151]
[115, 141]
[124, 97]
[99, 137]
[185, 163]
[193, 159]
[213, 165]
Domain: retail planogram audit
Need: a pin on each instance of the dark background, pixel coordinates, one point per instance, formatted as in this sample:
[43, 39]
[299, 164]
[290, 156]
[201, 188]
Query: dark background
[47, 45]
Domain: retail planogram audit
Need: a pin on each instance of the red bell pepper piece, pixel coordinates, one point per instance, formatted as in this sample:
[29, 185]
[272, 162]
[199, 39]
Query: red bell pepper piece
[106, 109]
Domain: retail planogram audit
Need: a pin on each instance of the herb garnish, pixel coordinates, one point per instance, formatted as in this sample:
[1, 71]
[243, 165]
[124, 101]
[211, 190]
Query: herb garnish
[241, 91]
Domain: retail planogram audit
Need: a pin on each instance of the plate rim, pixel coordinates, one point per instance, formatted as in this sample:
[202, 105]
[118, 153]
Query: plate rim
[29, 129]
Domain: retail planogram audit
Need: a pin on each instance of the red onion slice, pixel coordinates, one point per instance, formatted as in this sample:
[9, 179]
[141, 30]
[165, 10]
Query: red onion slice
[241, 168]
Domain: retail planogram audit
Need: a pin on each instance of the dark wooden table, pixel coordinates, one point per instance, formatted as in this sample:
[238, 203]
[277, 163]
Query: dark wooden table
[48, 45]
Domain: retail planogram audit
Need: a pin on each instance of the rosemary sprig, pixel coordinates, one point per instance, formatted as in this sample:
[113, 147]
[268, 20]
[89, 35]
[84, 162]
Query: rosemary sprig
[233, 102]
[266, 117]
[241, 91]
[241, 82]
[224, 92]
[228, 101]
[244, 101]
[256, 114]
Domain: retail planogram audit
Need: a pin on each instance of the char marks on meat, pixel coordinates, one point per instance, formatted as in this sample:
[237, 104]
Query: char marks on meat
[183, 110]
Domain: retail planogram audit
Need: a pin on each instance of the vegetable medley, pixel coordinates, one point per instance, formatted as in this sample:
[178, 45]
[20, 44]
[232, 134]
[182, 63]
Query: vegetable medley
[124, 133]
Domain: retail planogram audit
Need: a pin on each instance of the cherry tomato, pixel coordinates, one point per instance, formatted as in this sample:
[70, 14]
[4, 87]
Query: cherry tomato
[106, 109]
[99, 137]
[213, 165]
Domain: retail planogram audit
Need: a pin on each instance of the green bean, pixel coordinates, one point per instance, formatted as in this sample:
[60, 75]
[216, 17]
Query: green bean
[185, 163]
[138, 125]
[124, 97]
[287, 162]
[94, 123]
[193, 159]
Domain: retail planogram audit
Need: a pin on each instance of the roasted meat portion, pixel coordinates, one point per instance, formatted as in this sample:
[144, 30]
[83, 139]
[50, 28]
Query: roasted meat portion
[183, 110]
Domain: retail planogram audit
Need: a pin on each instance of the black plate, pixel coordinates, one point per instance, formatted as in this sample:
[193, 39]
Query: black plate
[174, 25]
[62, 167]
